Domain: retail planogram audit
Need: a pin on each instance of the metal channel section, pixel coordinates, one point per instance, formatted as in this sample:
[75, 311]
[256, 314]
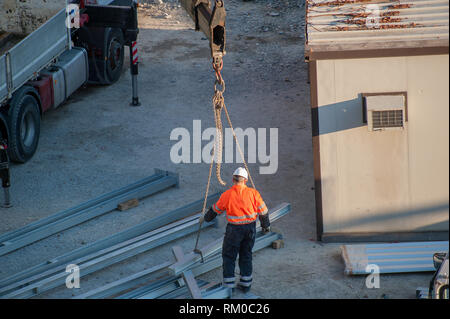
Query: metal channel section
[59, 263]
[218, 293]
[392, 258]
[34, 53]
[126, 283]
[69, 218]
[182, 291]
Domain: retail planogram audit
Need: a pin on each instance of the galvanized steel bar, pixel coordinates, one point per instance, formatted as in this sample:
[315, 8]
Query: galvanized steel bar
[124, 283]
[180, 292]
[217, 293]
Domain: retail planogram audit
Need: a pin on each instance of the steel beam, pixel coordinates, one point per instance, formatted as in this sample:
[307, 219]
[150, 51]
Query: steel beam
[124, 283]
[188, 276]
[181, 292]
[218, 293]
[84, 212]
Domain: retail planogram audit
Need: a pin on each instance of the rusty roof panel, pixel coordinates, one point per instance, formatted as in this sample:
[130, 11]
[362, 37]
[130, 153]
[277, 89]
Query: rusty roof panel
[376, 24]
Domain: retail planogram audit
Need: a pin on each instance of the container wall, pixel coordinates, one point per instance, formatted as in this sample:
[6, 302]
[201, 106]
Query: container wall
[392, 180]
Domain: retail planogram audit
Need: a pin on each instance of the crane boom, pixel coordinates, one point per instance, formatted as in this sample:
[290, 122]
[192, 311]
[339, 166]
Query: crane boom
[211, 22]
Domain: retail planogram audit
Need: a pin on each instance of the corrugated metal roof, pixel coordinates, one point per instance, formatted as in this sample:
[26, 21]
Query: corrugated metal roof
[391, 258]
[376, 24]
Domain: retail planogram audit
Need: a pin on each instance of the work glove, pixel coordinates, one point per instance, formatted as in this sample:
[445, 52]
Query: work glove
[201, 219]
[266, 230]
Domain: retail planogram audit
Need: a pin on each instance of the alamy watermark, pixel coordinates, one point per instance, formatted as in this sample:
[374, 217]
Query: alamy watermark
[73, 279]
[259, 146]
[373, 279]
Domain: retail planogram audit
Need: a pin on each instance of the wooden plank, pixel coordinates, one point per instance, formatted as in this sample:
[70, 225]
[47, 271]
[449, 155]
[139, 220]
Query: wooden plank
[134, 202]
[278, 244]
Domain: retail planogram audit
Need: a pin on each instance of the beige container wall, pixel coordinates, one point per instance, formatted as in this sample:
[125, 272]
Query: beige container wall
[24, 16]
[392, 180]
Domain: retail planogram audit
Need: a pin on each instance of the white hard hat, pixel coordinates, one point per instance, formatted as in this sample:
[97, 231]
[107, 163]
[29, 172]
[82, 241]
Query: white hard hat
[240, 171]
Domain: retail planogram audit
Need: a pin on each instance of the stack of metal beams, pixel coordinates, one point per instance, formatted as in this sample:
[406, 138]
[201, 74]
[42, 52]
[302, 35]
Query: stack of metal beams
[106, 252]
[128, 243]
[166, 280]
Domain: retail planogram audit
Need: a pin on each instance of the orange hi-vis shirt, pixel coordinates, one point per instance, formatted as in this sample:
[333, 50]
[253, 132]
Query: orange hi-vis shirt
[241, 204]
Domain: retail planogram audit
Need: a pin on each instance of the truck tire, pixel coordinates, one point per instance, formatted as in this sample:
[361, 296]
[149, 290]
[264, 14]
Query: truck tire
[25, 125]
[114, 53]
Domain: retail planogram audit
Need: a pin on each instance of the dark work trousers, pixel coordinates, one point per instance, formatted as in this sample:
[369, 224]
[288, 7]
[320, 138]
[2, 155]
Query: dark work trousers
[239, 239]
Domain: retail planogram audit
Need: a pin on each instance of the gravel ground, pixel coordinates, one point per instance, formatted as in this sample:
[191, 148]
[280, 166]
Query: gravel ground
[96, 143]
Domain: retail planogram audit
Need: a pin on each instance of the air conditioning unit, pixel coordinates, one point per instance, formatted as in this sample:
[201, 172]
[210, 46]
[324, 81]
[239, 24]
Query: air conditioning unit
[384, 112]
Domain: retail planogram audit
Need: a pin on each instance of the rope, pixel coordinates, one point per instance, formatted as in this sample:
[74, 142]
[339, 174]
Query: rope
[218, 106]
[218, 103]
[205, 201]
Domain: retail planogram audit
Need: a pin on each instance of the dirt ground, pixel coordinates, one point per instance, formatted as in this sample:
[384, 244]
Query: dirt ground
[96, 143]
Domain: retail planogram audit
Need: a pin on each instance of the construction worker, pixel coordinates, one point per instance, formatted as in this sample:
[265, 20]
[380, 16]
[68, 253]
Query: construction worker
[242, 205]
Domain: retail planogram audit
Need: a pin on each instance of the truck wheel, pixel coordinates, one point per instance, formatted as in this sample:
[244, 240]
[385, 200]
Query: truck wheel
[115, 54]
[25, 125]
